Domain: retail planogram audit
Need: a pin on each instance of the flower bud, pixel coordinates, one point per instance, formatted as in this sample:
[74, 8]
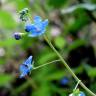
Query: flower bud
[17, 36]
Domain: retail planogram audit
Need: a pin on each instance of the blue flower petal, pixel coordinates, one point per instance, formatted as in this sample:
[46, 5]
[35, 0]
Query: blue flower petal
[37, 19]
[29, 27]
[35, 33]
[45, 23]
[23, 75]
[38, 22]
[26, 67]
[23, 70]
[37, 28]
[81, 94]
[30, 67]
[28, 61]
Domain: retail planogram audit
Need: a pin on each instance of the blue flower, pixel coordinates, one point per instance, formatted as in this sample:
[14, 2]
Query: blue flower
[81, 94]
[26, 67]
[37, 28]
[17, 35]
[64, 81]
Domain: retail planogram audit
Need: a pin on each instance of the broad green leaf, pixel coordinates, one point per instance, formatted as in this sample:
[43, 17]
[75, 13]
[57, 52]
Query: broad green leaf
[76, 44]
[60, 42]
[91, 71]
[9, 42]
[93, 1]
[2, 61]
[5, 79]
[45, 56]
[78, 70]
[43, 90]
[21, 4]
[79, 22]
[56, 75]
[56, 3]
[90, 7]
[6, 20]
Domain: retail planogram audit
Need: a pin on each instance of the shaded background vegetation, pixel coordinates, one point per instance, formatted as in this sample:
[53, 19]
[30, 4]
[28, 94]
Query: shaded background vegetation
[71, 29]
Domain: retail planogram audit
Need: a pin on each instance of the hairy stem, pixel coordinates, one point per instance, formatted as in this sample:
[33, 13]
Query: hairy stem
[68, 68]
[34, 68]
[77, 84]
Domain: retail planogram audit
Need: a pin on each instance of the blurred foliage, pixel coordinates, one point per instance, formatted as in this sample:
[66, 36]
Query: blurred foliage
[70, 31]
[6, 16]
[5, 79]
[56, 4]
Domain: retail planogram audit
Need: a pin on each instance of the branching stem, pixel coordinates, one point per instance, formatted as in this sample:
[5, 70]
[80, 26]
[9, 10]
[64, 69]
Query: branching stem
[68, 68]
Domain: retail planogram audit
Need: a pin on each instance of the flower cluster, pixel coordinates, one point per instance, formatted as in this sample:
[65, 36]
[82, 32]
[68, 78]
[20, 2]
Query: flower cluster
[37, 28]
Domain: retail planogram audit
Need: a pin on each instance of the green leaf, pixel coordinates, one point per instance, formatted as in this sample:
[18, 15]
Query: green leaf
[21, 4]
[5, 79]
[76, 44]
[46, 55]
[6, 20]
[79, 22]
[56, 75]
[9, 42]
[78, 70]
[91, 71]
[57, 3]
[43, 90]
[90, 7]
[2, 61]
[60, 42]
[93, 1]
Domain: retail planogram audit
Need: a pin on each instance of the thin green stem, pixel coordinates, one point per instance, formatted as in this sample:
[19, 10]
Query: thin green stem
[77, 84]
[34, 68]
[66, 65]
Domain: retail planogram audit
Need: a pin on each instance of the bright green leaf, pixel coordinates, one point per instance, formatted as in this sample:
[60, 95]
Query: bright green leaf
[60, 42]
[6, 20]
[5, 79]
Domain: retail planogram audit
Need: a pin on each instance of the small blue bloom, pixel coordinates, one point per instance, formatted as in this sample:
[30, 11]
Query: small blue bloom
[37, 28]
[64, 81]
[26, 67]
[17, 35]
[81, 94]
